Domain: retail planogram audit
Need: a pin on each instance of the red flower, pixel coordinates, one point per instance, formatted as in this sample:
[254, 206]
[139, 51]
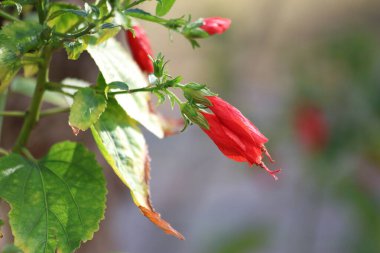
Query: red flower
[234, 135]
[312, 128]
[140, 48]
[215, 25]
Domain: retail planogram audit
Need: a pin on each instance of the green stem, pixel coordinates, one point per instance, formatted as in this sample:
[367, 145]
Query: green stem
[145, 89]
[53, 111]
[8, 16]
[32, 115]
[82, 32]
[44, 113]
[12, 113]
[55, 85]
[41, 11]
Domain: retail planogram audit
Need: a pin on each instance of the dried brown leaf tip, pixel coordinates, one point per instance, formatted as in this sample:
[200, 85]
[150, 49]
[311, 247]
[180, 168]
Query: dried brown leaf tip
[159, 222]
[75, 130]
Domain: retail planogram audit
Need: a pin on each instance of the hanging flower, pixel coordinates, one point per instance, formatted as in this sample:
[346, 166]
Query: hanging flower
[140, 48]
[234, 135]
[215, 25]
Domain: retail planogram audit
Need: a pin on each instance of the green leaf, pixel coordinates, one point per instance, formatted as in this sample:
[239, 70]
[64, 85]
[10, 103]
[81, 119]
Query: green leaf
[101, 36]
[26, 86]
[11, 3]
[57, 202]
[117, 65]
[74, 48]
[11, 249]
[66, 21]
[123, 146]
[164, 6]
[74, 82]
[86, 109]
[79, 13]
[138, 13]
[119, 85]
[16, 39]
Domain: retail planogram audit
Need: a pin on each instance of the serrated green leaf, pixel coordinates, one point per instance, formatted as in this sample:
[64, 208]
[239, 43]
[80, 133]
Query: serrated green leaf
[123, 146]
[86, 109]
[16, 39]
[117, 65]
[57, 202]
[164, 6]
[64, 22]
[74, 48]
[74, 82]
[26, 86]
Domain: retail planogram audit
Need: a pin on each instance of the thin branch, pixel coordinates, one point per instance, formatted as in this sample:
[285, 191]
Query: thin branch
[53, 111]
[13, 114]
[8, 16]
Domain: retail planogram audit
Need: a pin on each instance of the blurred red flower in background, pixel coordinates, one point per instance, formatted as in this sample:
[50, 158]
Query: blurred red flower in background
[140, 48]
[234, 135]
[311, 127]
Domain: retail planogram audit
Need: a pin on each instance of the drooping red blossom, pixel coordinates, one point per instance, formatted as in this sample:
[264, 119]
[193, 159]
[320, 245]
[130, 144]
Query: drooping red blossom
[140, 48]
[311, 127]
[234, 135]
[215, 25]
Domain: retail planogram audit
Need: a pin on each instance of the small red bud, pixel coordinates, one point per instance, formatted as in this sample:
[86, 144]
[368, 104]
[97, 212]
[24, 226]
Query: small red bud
[140, 48]
[215, 25]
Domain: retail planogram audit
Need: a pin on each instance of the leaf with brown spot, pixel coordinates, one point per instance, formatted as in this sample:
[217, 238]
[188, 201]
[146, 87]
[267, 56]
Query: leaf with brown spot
[123, 146]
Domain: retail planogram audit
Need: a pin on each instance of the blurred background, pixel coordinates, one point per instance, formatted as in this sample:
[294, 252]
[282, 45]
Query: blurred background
[307, 73]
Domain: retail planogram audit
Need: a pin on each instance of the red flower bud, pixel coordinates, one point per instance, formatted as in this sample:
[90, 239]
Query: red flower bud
[312, 128]
[234, 135]
[215, 25]
[140, 48]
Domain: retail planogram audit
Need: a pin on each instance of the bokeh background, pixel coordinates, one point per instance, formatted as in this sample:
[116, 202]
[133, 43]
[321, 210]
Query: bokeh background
[307, 73]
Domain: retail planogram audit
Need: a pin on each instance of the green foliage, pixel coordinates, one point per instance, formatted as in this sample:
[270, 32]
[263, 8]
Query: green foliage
[12, 3]
[74, 48]
[56, 202]
[16, 39]
[86, 109]
[164, 6]
[11, 249]
[62, 17]
[117, 65]
[123, 146]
